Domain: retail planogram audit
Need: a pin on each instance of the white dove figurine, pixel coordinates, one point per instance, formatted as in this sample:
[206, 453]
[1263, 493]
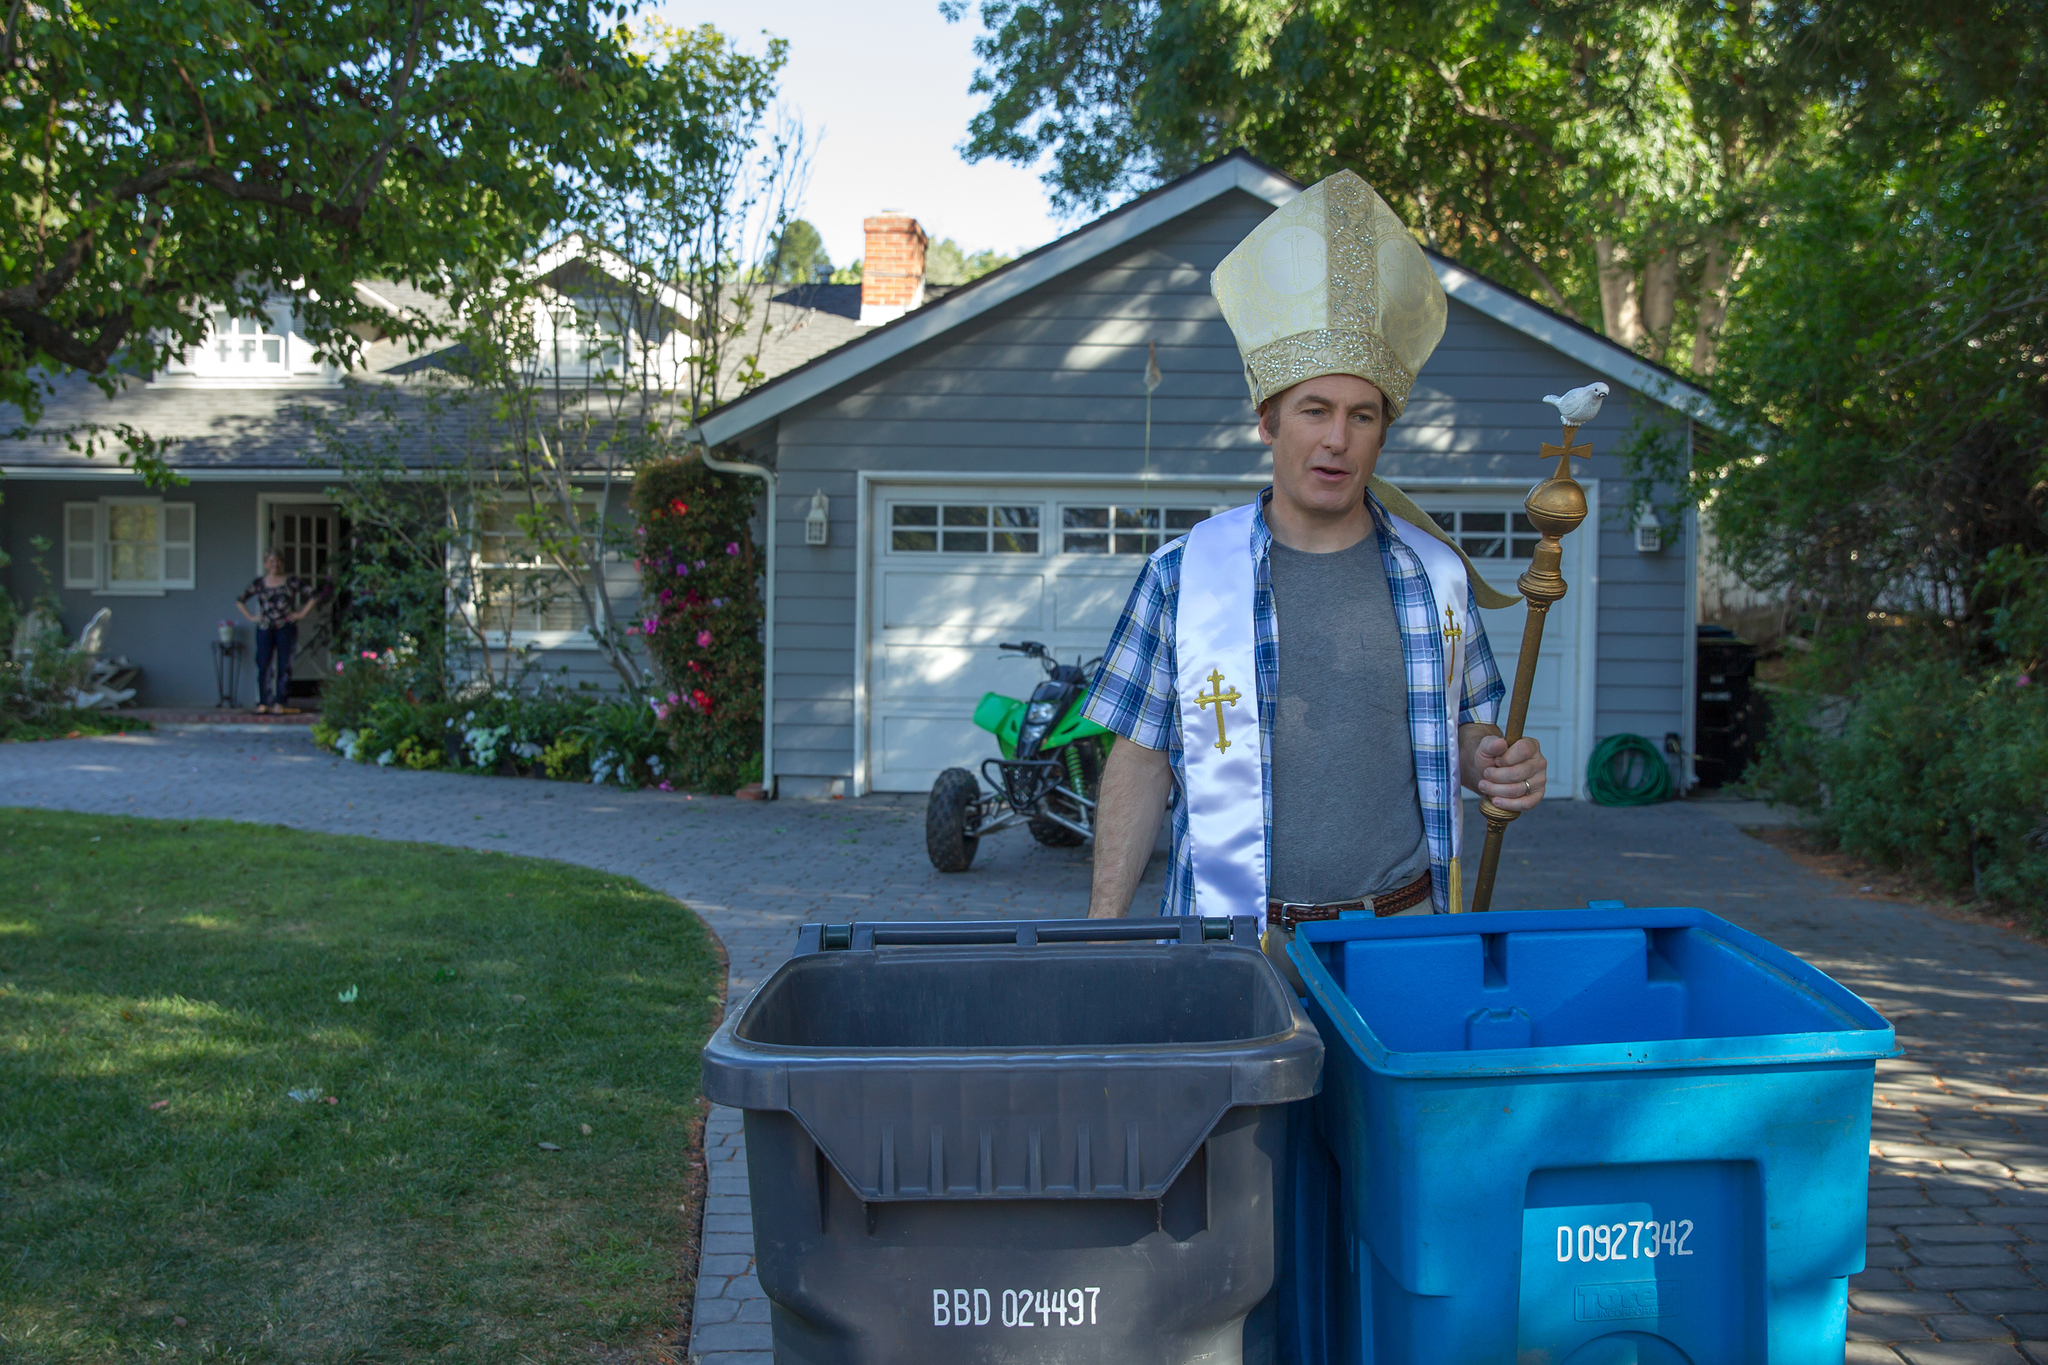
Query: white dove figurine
[1578, 406]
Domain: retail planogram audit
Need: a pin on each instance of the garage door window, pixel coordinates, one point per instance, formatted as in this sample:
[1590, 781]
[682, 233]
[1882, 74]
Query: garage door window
[963, 528]
[1123, 530]
[1490, 535]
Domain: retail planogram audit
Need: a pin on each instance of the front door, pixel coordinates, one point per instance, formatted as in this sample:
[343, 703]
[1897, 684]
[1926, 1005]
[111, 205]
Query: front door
[308, 536]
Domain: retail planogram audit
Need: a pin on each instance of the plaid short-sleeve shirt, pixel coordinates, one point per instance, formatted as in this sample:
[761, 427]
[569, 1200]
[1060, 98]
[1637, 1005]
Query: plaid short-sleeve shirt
[1134, 692]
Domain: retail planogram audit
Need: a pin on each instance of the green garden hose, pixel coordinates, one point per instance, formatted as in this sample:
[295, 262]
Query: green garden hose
[1627, 770]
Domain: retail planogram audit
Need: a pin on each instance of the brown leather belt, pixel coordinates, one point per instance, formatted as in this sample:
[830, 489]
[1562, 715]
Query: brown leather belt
[1287, 914]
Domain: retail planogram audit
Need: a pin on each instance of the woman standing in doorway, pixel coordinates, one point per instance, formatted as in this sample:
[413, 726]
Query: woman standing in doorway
[282, 601]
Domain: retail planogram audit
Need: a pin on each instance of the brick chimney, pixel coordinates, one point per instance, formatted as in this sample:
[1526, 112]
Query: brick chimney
[892, 272]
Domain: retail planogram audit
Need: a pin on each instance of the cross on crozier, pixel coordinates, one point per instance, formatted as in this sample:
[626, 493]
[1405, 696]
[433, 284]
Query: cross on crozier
[1218, 698]
[1563, 454]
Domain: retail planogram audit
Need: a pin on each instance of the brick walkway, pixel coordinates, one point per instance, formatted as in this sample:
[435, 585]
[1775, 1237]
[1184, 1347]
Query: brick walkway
[1959, 1152]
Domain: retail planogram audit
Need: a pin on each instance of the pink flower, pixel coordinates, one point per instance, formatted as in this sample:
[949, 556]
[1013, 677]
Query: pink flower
[732, 547]
[648, 625]
[666, 787]
[2022, 680]
[703, 639]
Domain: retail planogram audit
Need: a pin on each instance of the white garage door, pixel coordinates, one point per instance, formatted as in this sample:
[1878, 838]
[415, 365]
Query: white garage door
[957, 570]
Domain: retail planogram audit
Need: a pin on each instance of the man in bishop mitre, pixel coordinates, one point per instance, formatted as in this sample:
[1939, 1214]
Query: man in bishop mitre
[1305, 679]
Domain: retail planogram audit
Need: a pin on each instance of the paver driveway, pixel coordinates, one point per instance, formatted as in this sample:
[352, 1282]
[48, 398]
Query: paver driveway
[1959, 1150]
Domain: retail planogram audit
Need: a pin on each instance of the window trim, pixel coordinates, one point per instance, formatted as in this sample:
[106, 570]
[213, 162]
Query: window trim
[98, 583]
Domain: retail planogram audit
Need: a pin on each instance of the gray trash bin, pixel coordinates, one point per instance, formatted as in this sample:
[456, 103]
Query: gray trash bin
[1054, 1140]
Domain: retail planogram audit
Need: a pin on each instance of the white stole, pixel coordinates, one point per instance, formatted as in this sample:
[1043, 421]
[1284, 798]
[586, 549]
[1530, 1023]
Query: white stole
[1216, 650]
[1215, 646]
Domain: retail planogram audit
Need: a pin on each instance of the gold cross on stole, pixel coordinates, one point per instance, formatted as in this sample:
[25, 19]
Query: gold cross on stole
[1452, 634]
[1218, 698]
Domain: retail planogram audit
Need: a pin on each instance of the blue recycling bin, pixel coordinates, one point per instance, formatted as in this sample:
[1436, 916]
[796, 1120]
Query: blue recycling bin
[1581, 1137]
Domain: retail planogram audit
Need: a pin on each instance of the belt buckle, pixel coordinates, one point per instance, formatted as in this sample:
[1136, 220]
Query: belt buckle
[1288, 911]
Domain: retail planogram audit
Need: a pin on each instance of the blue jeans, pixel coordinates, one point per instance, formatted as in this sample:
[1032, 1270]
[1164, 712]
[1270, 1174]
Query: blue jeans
[275, 643]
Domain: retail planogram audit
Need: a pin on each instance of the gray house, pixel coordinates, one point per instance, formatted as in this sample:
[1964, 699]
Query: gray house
[245, 413]
[989, 469]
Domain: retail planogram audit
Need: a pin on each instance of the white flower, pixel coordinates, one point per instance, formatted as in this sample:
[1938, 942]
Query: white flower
[384, 759]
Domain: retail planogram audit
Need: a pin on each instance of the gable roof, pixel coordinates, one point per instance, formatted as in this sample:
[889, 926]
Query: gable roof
[1237, 171]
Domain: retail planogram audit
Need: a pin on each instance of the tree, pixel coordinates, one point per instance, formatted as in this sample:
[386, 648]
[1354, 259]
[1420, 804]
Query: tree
[1600, 154]
[797, 256]
[572, 370]
[947, 262]
[167, 158]
[1884, 357]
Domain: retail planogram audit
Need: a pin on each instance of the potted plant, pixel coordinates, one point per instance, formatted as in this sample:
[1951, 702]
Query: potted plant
[227, 632]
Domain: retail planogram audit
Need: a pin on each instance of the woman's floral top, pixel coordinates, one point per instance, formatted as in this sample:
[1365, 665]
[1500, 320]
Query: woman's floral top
[275, 605]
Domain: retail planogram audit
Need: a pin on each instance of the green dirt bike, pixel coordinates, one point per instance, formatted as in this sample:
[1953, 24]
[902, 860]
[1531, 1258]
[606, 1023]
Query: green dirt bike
[1047, 778]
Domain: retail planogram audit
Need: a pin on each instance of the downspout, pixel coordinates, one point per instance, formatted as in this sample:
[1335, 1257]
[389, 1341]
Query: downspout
[767, 478]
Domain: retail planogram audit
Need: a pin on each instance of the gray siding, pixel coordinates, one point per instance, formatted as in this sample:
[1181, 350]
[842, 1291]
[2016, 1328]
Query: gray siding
[1052, 383]
[169, 636]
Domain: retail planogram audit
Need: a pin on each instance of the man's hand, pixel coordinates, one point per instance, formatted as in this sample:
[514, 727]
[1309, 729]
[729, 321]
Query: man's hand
[1511, 778]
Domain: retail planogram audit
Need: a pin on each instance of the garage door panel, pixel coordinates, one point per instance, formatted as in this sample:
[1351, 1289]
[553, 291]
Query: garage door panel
[1092, 603]
[933, 672]
[961, 600]
[916, 748]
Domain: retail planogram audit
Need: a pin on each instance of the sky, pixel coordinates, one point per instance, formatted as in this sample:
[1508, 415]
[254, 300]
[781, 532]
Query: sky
[882, 85]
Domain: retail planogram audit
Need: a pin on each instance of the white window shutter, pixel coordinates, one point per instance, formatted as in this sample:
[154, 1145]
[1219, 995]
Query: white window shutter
[177, 541]
[81, 545]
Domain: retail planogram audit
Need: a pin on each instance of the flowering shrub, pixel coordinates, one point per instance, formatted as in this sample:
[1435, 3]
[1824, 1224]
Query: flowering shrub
[701, 606]
[570, 736]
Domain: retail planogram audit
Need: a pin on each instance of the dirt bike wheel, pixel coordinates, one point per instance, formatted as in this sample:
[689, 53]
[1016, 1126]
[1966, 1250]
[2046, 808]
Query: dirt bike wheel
[948, 814]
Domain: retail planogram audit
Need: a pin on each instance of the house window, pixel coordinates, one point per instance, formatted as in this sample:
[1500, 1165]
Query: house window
[1489, 535]
[1123, 530]
[517, 587]
[963, 528]
[128, 545]
[242, 344]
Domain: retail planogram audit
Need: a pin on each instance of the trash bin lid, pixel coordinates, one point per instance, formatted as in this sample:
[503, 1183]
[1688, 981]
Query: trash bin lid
[1056, 1070]
[1553, 991]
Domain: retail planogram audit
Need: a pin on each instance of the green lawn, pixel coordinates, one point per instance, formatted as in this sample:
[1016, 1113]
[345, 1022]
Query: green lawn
[441, 1014]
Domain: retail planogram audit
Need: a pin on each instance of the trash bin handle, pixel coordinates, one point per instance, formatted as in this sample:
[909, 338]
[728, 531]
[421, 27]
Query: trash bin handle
[865, 934]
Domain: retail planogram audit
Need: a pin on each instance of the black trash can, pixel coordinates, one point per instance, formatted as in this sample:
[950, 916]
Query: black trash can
[1727, 721]
[1039, 1141]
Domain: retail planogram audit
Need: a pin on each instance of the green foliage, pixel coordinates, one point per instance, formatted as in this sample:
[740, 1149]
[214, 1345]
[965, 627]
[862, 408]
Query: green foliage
[699, 590]
[170, 159]
[947, 262]
[370, 715]
[1537, 147]
[166, 987]
[565, 759]
[1932, 769]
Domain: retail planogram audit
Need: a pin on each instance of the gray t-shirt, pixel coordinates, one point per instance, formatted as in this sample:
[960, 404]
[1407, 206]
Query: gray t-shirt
[1347, 822]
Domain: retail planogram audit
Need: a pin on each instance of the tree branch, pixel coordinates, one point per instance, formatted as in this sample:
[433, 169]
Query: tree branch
[1488, 116]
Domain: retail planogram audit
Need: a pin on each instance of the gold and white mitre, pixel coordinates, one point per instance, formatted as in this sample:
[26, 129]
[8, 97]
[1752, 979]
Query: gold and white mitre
[1331, 283]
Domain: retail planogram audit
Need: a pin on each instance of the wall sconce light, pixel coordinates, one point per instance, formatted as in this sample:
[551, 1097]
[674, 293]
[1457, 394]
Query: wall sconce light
[818, 525]
[1649, 531]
